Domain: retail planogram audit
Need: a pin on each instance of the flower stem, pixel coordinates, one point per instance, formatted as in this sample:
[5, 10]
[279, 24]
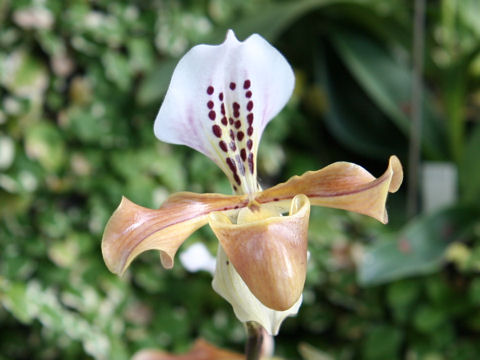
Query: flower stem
[415, 147]
[253, 349]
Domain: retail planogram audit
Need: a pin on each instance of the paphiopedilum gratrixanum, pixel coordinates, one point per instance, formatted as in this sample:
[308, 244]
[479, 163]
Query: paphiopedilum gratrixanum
[219, 101]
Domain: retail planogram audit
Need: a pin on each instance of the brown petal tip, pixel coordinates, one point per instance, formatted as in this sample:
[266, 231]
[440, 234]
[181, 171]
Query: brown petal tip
[397, 175]
[121, 220]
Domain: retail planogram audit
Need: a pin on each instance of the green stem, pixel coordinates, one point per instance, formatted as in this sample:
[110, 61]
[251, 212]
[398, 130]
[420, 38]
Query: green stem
[255, 338]
[417, 108]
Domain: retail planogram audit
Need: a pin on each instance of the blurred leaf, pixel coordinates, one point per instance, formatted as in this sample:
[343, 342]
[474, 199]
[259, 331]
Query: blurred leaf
[44, 142]
[155, 83]
[429, 319]
[403, 293]
[389, 21]
[354, 120]
[273, 19]
[13, 297]
[141, 54]
[454, 92]
[30, 301]
[308, 352]
[469, 171]
[388, 83]
[7, 151]
[99, 124]
[474, 291]
[3, 9]
[382, 342]
[468, 12]
[147, 163]
[439, 290]
[117, 69]
[24, 75]
[418, 249]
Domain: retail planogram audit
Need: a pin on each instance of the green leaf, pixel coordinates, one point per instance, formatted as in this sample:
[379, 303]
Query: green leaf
[44, 142]
[117, 69]
[429, 319]
[30, 301]
[403, 293]
[308, 352]
[7, 149]
[468, 13]
[388, 83]
[382, 342]
[3, 10]
[474, 292]
[24, 75]
[354, 120]
[272, 20]
[155, 84]
[469, 171]
[13, 297]
[141, 54]
[418, 249]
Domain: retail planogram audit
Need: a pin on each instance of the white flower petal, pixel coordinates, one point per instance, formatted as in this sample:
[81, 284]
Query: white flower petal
[228, 284]
[221, 98]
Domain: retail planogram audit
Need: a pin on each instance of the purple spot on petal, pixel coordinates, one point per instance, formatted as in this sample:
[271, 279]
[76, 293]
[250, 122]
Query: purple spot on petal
[240, 165]
[250, 105]
[210, 104]
[233, 86]
[236, 105]
[210, 90]
[223, 146]
[240, 135]
[246, 84]
[222, 108]
[231, 165]
[250, 118]
[211, 115]
[249, 144]
[243, 154]
[230, 120]
[248, 94]
[217, 131]
[238, 123]
[220, 96]
[250, 131]
[233, 146]
[232, 135]
[250, 162]
[237, 179]
[236, 113]
[224, 121]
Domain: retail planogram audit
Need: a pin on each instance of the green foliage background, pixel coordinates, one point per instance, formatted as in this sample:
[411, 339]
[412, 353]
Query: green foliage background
[80, 84]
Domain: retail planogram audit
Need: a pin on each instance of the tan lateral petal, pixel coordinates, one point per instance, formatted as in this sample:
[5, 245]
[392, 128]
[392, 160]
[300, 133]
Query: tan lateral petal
[133, 229]
[202, 350]
[269, 254]
[342, 185]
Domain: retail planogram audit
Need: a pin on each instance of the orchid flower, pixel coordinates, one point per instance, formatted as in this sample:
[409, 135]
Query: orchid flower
[219, 101]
